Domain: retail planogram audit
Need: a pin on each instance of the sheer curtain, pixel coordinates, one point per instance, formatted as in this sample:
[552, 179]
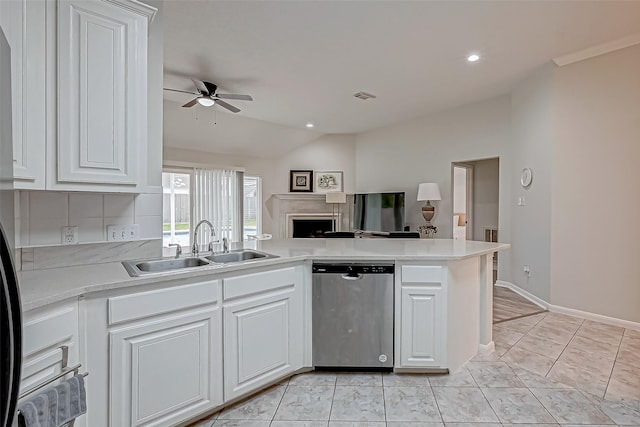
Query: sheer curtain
[217, 197]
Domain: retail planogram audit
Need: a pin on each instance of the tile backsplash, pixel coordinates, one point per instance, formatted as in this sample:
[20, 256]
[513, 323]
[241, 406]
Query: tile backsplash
[42, 214]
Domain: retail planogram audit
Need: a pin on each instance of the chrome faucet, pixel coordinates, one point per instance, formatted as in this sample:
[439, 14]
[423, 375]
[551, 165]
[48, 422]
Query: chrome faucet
[178, 249]
[225, 245]
[194, 247]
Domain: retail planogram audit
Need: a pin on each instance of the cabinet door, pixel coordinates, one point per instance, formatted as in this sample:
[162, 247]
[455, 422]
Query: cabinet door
[102, 92]
[166, 370]
[24, 23]
[262, 339]
[421, 327]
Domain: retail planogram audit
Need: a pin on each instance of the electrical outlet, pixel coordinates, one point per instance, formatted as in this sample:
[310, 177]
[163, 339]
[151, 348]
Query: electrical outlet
[521, 201]
[70, 235]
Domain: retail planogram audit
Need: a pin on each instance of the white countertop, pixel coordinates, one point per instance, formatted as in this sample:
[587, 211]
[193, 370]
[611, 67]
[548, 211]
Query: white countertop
[42, 287]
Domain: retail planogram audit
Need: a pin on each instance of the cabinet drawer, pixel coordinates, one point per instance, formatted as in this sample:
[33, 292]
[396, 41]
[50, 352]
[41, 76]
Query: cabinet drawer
[259, 282]
[49, 329]
[144, 304]
[421, 274]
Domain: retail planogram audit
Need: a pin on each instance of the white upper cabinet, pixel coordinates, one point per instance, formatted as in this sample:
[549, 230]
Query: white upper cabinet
[102, 94]
[24, 23]
[79, 79]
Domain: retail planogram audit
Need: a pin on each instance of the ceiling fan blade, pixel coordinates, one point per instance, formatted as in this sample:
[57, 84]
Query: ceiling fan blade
[227, 106]
[234, 96]
[181, 91]
[191, 103]
[201, 87]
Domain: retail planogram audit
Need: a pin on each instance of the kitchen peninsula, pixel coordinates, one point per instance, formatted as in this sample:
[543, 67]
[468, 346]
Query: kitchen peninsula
[243, 326]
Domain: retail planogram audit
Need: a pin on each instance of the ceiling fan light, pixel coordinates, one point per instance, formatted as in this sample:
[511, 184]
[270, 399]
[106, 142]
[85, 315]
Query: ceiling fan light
[205, 101]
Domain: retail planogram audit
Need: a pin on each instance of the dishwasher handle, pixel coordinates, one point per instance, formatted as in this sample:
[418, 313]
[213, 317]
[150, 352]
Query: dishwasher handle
[352, 276]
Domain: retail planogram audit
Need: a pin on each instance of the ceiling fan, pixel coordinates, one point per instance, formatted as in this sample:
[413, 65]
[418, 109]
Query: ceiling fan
[207, 96]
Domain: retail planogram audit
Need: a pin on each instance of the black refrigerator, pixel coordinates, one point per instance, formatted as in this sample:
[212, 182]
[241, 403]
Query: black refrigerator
[11, 318]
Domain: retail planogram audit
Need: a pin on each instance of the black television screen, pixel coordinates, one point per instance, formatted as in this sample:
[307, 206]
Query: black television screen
[378, 211]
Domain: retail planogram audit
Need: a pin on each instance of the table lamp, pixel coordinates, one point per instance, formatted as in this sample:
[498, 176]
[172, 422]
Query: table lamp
[428, 191]
[336, 197]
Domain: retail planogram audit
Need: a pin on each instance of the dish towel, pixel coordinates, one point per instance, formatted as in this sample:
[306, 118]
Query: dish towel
[55, 406]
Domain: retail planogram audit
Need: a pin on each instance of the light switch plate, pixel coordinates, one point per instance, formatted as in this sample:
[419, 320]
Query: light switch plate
[123, 232]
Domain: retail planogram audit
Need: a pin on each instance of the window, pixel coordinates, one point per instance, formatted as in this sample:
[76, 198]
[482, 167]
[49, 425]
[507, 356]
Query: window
[176, 213]
[252, 206]
[226, 198]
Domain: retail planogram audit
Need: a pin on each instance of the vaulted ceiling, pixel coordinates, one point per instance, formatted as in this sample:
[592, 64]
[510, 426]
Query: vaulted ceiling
[302, 61]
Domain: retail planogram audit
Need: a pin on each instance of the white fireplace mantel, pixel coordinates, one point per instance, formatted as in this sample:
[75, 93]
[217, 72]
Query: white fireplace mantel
[300, 196]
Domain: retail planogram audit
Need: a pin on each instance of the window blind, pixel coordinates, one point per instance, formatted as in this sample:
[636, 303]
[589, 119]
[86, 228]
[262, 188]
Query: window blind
[217, 197]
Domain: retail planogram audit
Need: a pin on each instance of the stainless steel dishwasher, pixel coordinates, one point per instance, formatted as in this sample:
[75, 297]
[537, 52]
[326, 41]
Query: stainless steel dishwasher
[353, 315]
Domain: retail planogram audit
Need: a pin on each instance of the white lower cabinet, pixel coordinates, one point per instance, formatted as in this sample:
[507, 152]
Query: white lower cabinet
[155, 356]
[164, 371]
[420, 323]
[164, 355]
[263, 329]
[421, 327]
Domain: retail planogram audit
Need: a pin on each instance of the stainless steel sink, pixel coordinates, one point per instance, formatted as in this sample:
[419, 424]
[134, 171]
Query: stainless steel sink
[164, 265]
[239, 255]
[137, 268]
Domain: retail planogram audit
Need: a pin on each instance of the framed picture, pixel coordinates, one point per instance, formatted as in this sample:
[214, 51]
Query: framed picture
[328, 181]
[301, 181]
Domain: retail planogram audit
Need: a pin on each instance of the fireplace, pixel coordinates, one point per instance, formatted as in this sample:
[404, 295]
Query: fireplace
[305, 228]
[306, 225]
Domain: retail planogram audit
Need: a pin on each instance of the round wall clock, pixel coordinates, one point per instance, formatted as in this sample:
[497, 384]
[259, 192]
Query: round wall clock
[526, 177]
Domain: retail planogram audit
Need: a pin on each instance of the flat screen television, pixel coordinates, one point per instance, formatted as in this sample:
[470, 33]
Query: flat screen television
[378, 211]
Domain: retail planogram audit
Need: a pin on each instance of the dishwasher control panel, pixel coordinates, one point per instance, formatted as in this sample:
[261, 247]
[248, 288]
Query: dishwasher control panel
[353, 268]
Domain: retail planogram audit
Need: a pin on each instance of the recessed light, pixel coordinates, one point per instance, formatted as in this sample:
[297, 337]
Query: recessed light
[473, 57]
[309, 125]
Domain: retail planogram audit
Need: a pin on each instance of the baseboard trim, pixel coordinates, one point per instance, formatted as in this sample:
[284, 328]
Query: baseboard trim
[627, 324]
[486, 348]
[525, 294]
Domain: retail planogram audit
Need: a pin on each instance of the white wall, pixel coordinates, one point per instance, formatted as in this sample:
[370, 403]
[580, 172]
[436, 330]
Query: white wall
[595, 237]
[533, 138]
[328, 152]
[399, 157]
[486, 196]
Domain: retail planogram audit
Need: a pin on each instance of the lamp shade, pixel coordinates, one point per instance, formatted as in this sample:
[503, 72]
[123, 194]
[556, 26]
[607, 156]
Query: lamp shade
[336, 197]
[429, 191]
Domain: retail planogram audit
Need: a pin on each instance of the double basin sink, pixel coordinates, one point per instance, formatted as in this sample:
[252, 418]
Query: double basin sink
[163, 265]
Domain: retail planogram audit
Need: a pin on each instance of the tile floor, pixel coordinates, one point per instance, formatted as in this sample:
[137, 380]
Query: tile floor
[547, 370]
[509, 305]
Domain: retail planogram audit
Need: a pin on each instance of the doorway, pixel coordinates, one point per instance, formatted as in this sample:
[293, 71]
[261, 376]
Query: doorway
[462, 220]
[476, 188]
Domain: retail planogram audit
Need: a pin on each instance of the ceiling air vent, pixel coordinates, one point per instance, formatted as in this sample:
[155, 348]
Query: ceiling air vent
[364, 95]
